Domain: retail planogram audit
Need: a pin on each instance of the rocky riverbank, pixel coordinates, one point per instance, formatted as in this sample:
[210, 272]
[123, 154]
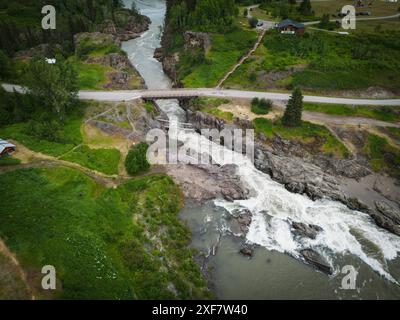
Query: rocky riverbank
[130, 25]
[122, 75]
[194, 43]
[317, 175]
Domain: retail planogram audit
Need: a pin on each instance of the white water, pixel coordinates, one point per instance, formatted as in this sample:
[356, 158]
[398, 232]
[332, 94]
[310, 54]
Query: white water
[272, 206]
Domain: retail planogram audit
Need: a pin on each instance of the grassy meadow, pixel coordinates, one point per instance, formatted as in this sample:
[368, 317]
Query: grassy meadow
[122, 243]
[320, 61]
[313, 137]
[71, 146]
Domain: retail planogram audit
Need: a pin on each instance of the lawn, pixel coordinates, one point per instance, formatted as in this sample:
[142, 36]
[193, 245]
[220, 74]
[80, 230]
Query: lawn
[226, 50]
[314, 136]
[385, 113]
[102, 160]
[91, 76]
[117, 243]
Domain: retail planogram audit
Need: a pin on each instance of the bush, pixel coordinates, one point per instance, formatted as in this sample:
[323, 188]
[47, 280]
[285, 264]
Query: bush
[6, 70]
[261, 106]
[253, 22]
[45, 127]
[136, 160]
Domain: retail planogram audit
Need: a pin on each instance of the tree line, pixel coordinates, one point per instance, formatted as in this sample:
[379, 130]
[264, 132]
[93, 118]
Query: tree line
[202, 15]
[20, 23]
[52, 95]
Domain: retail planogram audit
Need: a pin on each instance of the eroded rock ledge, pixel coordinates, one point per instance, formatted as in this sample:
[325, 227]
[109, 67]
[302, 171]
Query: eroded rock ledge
[206, 182]
[317, 176]
[124, 75]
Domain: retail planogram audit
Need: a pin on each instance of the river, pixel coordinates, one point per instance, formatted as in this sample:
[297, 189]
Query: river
[275, 270]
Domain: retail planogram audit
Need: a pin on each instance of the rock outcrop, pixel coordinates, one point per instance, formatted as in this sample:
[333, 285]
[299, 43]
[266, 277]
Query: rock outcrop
[300, 171]
[316, 260]
[247, 250]
[201, 120]
[124, 75]
[387, 217]
[205, 182]
[310, 231]
[41, 50]
[130, 26]
[197, 40]
[239, 221]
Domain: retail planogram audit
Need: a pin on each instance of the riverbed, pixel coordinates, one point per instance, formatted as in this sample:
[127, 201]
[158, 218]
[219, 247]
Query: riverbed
[275, 271]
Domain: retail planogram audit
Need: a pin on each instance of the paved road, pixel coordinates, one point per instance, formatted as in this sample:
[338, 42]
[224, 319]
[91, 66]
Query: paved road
[211, 92]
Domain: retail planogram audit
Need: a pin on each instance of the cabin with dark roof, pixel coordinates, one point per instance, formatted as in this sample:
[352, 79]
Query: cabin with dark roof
[6, 148]
[288, 26]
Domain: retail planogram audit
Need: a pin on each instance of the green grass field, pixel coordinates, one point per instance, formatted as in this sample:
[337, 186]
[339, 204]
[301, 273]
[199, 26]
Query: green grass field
[316, 137]
[91, 76]
[102, 160]
[374, 112]
[104, 243]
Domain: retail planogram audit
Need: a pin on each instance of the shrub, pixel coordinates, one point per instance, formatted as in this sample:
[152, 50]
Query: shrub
[253, 22]
[261, 106]
[45, 127]
[136, 160]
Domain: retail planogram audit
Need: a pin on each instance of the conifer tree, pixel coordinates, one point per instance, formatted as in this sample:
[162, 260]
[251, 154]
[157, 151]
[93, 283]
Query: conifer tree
[294, 108]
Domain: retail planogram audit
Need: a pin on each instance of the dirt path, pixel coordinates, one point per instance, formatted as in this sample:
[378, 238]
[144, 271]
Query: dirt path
[342, 120]
[244, 112]
[13, 259]
[32, 159]
[329, 121]
[243, 59]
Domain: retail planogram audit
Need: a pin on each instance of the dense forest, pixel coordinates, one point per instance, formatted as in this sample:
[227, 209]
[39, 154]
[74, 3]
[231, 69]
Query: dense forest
[20, 21]
[206, 15]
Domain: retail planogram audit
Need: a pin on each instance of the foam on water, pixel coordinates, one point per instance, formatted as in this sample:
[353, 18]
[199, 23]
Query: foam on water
[274, 208]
